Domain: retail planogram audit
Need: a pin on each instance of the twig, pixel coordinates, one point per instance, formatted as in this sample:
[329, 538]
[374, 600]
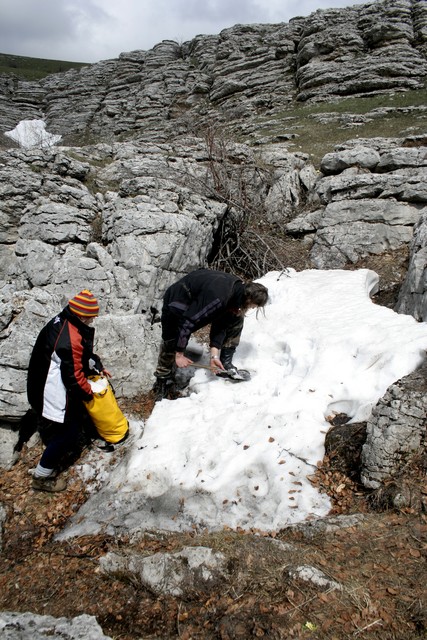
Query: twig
[177, 620]
[379, 621]
[205, 366]
[299, 606]
[299, 458]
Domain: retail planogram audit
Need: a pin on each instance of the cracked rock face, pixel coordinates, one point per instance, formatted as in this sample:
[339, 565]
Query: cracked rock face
[124, 220]
[413, 294]
[362, 49]
[370, 202]
[245, 70]
[396, 429]
[62, 233]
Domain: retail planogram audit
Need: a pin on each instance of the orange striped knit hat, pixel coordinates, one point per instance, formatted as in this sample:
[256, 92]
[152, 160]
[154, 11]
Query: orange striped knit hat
[84, 304]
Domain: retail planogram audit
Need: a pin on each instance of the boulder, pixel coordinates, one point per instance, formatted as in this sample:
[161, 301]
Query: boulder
[396, 429]
[32, 626]
[363, 157]
[182, 574]
[351, 229]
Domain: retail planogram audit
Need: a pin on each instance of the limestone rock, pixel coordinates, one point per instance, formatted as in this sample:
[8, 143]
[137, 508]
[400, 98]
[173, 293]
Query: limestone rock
[349, 230]
[323, 526]
[181, 574]
[313, 576]
[125, 220]
[373, 195]
[364, 49]
[364, 157]
[413, 294]
[396, 429]
[31, 626]
[245, 70]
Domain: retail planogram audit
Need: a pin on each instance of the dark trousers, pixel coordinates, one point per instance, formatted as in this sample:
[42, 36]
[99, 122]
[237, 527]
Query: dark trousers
[65, 441]
[170, 327]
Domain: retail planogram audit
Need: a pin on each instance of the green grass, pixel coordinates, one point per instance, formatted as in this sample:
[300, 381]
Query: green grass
[34, 68]
[367, 103]
[317, 138]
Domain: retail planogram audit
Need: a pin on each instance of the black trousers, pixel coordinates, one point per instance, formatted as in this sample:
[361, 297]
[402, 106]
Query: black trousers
[65, 441]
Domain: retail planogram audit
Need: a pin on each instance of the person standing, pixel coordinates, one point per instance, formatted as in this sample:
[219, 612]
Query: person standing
[57, 385]
[200, 298]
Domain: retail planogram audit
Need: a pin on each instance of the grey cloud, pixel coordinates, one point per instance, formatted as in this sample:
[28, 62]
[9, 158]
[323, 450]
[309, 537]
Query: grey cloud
[32, 28]
[216, 10]
[92, 30]
[23, 20]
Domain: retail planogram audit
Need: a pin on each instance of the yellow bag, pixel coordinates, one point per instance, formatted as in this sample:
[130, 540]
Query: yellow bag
[105, 413]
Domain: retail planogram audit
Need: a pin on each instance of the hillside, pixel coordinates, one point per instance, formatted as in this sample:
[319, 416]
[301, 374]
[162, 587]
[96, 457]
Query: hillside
[297, 146]
[334, 70]
[34, 68]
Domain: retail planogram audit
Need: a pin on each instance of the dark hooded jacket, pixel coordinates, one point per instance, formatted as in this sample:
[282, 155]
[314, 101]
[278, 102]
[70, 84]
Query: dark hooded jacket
[60, 362]
[202, 297]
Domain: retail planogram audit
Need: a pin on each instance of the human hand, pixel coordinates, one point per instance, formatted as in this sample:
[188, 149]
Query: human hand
[182, 361]
[105, 372]
[216, 364]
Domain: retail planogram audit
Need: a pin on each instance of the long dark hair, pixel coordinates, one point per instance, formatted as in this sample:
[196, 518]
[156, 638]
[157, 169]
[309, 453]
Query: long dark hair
[255, 293]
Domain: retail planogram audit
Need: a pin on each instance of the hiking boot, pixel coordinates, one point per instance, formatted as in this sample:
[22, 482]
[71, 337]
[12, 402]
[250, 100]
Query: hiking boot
[231, 372]
[226, 358]
[162, 388]
[49, 484]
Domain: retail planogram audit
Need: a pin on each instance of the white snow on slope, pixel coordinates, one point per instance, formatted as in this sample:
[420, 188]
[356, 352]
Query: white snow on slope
[32, 134]
[238, 455]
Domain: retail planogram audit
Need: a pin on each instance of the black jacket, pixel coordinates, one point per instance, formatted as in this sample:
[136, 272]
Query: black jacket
[60, 362]
[202, 297]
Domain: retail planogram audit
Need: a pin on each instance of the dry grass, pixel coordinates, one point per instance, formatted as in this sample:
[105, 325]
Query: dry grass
[379, 564]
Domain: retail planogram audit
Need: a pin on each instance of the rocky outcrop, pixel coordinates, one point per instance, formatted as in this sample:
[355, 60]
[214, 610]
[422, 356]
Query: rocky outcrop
[371, 196]
[127, 217]
[245, 71]
[370, 48]
[125, 237]
[124, 220]
[396, 429]
[31, 626]
[413, 294]
[388, 454]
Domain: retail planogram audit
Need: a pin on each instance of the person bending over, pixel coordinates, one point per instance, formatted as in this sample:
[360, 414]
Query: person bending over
[200, 298]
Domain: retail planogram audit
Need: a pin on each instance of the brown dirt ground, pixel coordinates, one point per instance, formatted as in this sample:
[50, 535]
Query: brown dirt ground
[380, 562]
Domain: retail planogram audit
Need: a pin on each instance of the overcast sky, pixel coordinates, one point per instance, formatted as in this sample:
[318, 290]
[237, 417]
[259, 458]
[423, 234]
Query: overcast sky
[93, 30]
